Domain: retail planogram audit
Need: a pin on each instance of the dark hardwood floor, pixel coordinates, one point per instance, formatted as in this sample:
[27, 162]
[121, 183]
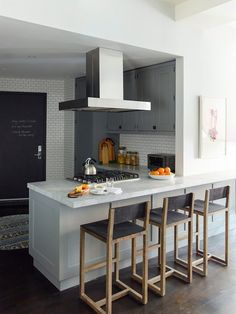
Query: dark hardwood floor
[23, 290]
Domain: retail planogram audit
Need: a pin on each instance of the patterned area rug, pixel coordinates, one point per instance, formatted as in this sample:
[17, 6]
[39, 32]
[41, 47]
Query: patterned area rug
[14, 232]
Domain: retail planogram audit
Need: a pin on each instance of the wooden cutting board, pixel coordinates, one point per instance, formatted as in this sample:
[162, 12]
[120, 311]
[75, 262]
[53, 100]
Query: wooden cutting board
[105, 154]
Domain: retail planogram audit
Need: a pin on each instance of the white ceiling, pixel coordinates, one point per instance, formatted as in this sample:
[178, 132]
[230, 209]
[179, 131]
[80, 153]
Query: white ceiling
[34, 51]
[30, 50]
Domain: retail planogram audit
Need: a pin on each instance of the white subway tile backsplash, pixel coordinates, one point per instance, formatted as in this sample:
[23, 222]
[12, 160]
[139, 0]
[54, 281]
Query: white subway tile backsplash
[69, 131]
[148, 144]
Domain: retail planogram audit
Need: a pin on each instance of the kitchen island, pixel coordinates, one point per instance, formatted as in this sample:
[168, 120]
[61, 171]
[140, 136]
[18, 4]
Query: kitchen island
[55, 220]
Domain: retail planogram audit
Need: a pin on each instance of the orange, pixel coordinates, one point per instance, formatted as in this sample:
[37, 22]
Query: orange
[154, 173]
[167, 171]
[161, 171]
[85, 186]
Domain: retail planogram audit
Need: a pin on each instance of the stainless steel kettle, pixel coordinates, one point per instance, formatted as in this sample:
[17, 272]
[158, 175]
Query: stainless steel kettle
[89, 168]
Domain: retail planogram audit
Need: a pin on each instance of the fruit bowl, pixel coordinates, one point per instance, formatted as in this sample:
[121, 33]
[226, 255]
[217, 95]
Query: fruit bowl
[162, 177]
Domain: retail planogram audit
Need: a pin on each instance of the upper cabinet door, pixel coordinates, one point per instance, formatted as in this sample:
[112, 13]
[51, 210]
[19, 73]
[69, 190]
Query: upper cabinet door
[115, 121]
[129, 122]
[80, 87]
[147, 91]
[166, 99]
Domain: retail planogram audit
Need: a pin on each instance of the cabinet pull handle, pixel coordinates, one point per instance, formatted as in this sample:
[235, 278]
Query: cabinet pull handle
[154, 127]
[120, 127]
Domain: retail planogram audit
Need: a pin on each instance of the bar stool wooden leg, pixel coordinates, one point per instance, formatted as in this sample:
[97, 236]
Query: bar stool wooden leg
[117, 257]
[205, 244]
[159, 243]
[163, 261]
[176, 251]
[109, 278]
[190, 251]
[145, 270]
[226, 237]
[82, 262]
[197, 234]
[133, 256]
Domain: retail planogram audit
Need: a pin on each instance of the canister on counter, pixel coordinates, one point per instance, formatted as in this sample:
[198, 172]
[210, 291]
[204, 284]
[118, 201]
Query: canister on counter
[121, 155]
[134, 159]
[128, 158]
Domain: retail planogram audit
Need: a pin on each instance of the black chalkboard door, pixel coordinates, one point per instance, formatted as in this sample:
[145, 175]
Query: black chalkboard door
[22, 142]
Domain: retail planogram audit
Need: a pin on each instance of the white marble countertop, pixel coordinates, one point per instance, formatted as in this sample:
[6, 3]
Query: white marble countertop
[57, 190]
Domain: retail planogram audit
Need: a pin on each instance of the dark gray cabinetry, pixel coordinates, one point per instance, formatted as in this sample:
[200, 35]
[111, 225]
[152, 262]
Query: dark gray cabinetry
[147, 91]
[166, 99]
[129, 119]
[155, 84]
[114, 121]
[80, 87]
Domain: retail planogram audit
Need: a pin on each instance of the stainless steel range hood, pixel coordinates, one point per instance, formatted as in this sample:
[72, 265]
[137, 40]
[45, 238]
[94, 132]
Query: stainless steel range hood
[104, 85]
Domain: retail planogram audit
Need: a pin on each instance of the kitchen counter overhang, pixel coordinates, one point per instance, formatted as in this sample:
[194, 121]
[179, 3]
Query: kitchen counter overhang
[57, 190]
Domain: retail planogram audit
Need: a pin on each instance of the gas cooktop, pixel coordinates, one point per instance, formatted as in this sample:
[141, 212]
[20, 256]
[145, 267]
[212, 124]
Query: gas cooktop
[103, 175]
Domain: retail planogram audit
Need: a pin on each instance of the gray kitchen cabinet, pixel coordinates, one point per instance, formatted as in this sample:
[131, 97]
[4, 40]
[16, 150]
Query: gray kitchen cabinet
[147, 91]
[80, 87]
[155, 84]
[129, 119]
[114, 121]
[166, 98]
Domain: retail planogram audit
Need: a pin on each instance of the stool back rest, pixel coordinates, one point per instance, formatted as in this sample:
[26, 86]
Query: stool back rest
[220, 193]
[130, 212]
[180, 201]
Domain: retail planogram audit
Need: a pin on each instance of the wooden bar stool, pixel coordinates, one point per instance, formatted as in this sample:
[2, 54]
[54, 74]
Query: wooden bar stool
[117, 228]
[206, 208]
[171, 215]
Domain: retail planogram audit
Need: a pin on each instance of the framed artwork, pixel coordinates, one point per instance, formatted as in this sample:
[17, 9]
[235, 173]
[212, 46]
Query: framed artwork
[212, 127]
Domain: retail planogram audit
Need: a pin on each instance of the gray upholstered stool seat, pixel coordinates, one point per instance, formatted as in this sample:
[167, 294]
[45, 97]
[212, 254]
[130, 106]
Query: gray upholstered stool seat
[120, 230]
[172, 216]
[213, 207]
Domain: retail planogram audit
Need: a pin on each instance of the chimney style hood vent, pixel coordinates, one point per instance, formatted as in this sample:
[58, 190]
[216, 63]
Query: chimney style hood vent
[104, 85]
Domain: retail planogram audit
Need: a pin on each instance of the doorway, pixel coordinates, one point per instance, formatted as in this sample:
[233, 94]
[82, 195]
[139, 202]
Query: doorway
[22, 144]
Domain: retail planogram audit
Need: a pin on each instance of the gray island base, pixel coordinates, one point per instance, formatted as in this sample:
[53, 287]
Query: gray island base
[55, 220]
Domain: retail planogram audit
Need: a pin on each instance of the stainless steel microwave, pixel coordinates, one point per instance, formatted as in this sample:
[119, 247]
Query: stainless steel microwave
[161, 160]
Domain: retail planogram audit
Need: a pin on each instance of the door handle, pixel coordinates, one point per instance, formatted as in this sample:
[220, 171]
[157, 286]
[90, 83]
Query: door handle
[39, 153]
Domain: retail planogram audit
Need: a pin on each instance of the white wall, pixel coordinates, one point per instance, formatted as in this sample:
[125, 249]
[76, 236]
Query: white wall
[55, 119]
[209, 56]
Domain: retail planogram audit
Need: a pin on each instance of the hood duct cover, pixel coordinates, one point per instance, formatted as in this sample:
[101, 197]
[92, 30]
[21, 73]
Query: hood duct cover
[104, 85]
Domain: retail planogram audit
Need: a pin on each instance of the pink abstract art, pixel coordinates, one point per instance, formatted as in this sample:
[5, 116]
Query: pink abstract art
[213, 130]
[212, 127]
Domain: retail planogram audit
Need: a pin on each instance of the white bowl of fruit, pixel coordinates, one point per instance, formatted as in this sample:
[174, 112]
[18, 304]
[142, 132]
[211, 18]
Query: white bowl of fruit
[161, 174]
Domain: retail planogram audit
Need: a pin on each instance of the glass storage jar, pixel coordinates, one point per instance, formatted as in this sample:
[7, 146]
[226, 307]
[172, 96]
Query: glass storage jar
[134, 159]
[128, 158]
[121, 155]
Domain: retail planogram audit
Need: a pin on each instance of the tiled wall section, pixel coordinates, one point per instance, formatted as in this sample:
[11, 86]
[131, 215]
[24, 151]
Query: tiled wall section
[69, 131]
[148, 144]
[55, 118]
